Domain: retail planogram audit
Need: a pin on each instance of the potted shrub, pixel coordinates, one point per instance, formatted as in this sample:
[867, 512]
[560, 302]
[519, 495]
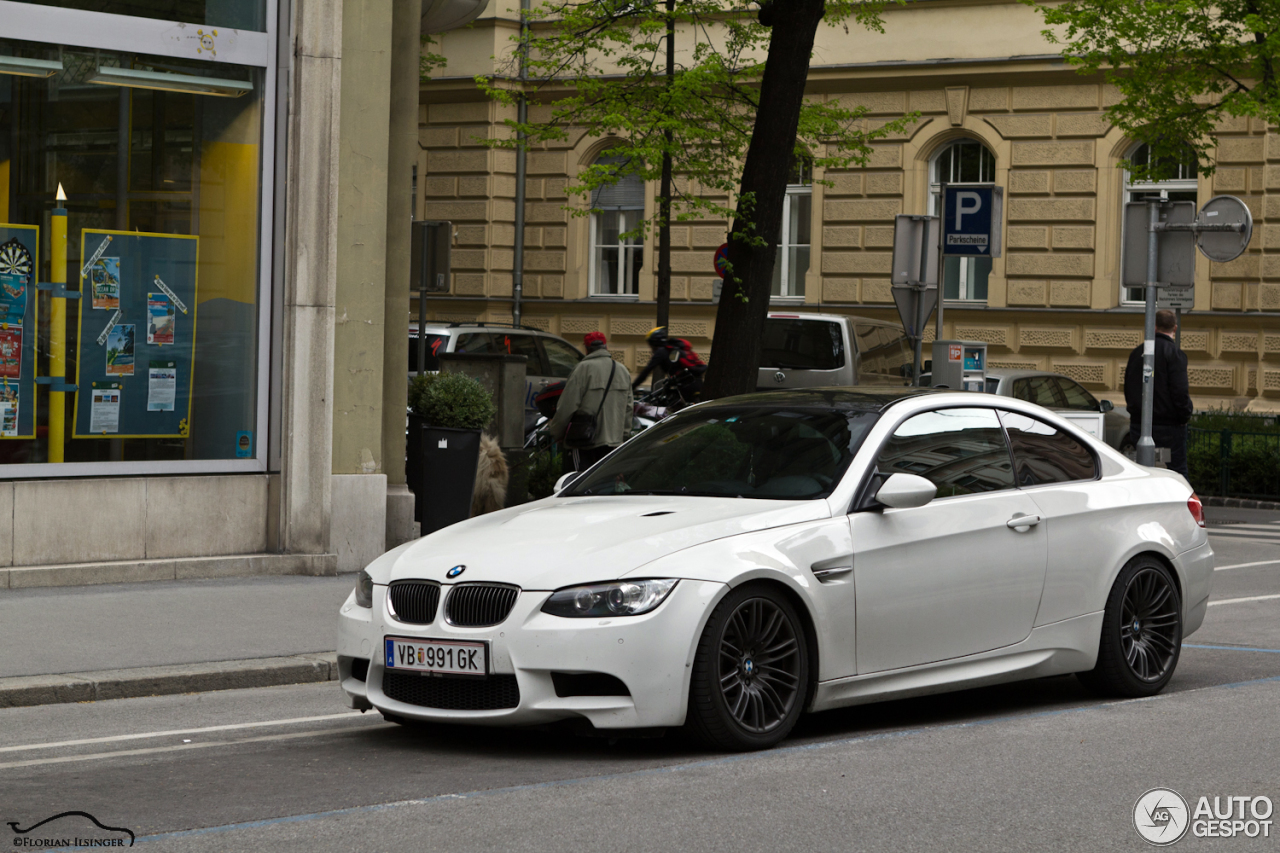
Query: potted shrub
[447, 413]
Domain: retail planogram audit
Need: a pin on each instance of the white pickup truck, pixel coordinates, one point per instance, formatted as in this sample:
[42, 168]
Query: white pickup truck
[818, 350]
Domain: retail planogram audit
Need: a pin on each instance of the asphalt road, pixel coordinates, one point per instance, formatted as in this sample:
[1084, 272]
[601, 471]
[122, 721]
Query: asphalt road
[1034, 766]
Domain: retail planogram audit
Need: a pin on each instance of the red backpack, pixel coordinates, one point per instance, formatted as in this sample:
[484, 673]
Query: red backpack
[687, 358]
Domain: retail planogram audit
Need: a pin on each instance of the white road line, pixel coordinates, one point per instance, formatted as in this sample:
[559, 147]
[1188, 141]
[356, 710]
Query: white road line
[64, 759]
[174, 732]
[1242, 600]
[1246, 565]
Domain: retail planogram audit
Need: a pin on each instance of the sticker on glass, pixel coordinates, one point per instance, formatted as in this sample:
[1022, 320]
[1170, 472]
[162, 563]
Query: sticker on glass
[120, 350]
[104, 414]
[160, 319]
[104, 277]
[162, 385]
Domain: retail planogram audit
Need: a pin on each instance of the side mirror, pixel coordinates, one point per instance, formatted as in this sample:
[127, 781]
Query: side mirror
[905, 491]
[1106, 406]
[565, 480]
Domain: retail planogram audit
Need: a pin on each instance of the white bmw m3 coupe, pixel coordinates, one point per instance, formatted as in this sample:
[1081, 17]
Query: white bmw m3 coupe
[757, 557]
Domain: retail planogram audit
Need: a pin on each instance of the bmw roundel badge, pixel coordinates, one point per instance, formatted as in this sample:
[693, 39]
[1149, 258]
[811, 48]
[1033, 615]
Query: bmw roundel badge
[455, 571]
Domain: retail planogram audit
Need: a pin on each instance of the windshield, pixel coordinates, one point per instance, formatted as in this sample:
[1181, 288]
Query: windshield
[805, 344]
[758, 452]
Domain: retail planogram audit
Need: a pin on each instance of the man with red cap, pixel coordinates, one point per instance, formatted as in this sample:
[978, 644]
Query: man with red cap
[594, 413]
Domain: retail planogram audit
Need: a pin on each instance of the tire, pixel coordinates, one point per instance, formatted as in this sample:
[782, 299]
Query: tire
[1141, 632]
[749, 698]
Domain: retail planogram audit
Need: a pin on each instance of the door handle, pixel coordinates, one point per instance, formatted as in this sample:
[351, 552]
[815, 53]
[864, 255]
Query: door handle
[1020, 521]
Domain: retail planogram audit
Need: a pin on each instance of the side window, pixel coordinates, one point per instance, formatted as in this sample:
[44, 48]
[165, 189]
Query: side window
[961, 451]
[477, 343]
[882, 353]
[993, 385]
[1074, 395]
[561, 358]
[1039, 390]
[1044, 454]
[522, 345]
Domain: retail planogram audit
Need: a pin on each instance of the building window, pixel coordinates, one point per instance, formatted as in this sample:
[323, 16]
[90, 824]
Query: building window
[1184, 187]
[616, 255]
[161, 162]
[965, 161]
[792, 261]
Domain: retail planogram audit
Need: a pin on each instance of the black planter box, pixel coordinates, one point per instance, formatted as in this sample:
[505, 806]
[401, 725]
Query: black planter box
[441, 472]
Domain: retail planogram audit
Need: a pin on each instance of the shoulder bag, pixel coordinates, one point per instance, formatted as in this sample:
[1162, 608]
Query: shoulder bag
[581, 431]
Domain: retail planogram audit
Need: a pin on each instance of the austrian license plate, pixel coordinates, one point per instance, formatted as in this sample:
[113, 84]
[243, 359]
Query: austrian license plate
[444, 657]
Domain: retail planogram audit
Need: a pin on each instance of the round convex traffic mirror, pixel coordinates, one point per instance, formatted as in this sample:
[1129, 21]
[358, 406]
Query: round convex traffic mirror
[1223, 246]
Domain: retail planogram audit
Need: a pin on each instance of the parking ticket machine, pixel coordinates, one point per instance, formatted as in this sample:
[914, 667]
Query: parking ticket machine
[960, 365]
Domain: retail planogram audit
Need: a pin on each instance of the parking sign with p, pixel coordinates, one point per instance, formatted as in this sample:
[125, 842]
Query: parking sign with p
[972, 216]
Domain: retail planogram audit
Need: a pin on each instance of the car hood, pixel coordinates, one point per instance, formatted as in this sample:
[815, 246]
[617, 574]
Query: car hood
[558, 542]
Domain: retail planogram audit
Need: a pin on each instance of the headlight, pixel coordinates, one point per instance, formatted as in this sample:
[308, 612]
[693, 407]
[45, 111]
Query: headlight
[364, 589]
[620, 598]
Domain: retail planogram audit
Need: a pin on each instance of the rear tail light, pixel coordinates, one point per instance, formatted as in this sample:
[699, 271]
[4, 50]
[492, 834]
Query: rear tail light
[1196, 508]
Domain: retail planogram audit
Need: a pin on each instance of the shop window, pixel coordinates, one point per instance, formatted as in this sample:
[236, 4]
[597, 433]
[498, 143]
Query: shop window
[617, 253]
[1183, 187]
[235, 14]
[792, 261]
[964, 161]
[161, 162]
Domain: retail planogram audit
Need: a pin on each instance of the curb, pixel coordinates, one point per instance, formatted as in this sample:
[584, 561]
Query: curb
[1240, 503]
[27, 690]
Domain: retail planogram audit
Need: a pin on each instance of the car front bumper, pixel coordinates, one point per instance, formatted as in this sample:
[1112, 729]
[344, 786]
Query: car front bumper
[651, 654]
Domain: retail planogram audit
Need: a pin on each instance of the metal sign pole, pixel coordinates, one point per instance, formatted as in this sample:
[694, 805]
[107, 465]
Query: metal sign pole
[942, 260]
[1146, 445]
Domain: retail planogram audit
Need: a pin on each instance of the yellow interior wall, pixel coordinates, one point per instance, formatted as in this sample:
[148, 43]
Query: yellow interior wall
[228, 221]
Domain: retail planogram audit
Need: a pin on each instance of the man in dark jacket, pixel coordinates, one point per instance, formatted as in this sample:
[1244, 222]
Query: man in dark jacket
[1171, 407]
[675, 358]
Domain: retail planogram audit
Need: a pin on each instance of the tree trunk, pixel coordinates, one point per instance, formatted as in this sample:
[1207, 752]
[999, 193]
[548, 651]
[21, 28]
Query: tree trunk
[664, 191]
[744, 302]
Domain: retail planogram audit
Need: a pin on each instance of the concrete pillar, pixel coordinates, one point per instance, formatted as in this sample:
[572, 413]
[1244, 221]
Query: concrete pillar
[359, 511]
[310, 275]
[402, 153]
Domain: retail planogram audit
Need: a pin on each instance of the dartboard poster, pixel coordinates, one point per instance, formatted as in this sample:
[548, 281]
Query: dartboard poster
[137, 334]
[19, 304]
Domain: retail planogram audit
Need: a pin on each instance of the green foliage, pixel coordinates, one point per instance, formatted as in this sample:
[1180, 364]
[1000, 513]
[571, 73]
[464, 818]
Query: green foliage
[428, 61]
[1236, 421]
[1182, 67]
[1246, 445]
[546, 465]
[599, 66]
[451, 400]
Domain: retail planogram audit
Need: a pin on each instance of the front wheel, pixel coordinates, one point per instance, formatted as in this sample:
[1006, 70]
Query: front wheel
[1141, 632]
[750, 676]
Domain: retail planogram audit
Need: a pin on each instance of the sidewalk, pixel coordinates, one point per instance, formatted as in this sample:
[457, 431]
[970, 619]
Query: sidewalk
[71, 644]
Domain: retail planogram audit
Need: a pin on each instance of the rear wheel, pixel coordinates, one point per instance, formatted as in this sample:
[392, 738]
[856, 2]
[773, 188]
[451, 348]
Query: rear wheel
[1141, 632]
[751, 672]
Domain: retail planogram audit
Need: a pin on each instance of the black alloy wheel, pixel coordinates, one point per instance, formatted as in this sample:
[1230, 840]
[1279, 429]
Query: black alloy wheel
[751, 671]
[1141, 632]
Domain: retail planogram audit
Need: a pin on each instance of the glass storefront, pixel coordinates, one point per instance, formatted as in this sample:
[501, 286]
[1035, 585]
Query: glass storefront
[139, 182]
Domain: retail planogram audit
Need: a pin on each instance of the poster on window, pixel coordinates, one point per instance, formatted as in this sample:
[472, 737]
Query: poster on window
[160, 319]
[148, 350]
[19, 307]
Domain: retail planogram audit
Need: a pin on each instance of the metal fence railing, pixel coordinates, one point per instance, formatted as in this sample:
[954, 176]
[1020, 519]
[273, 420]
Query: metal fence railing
[1234, 464]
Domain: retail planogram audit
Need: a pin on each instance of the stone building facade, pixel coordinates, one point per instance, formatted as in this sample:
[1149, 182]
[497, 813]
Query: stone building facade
[976, 73]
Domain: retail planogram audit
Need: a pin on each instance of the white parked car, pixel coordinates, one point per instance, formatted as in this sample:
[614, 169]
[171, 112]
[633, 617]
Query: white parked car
[756, 557]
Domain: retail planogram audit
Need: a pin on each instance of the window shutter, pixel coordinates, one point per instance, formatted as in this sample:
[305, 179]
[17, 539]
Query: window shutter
[628, 192]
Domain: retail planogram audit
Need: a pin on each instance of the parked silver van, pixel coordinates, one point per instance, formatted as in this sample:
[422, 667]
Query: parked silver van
[817, 350]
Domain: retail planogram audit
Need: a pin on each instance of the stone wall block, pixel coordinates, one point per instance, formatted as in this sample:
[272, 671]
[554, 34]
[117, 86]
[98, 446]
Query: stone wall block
[1075, 180]
[1073, 236]
[861, 211]
[842, 236]
[1241, 149]
[86, 533]
[1055, 97]
[1248, 265]
[1027, 292]
[1226, 296]
[1028, 237]
[839, 289]
[927, 101]
[995, 336]
[1211, 378]
[438, 137]
[878, 103]
[457, 211]
[1062, 153]
[1069, 294]
[884, 183]
[471, 111]
[1117, 339]
[1026, 182]
[1229, 180]
[885, 157]
[857, 262]
[877, 290]
[1051, 209]
[1089, 373]
[1056, 264]
[1082, 124]
[1022, 126]
[440, 187]
[477, 185]
[844, 183]
[1269, 297]
[581, 325]
[1046, 337]
[1238, 342]
[708, 236]
[988, 100]
[878, 237]
[548, 162]
[457, 161]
